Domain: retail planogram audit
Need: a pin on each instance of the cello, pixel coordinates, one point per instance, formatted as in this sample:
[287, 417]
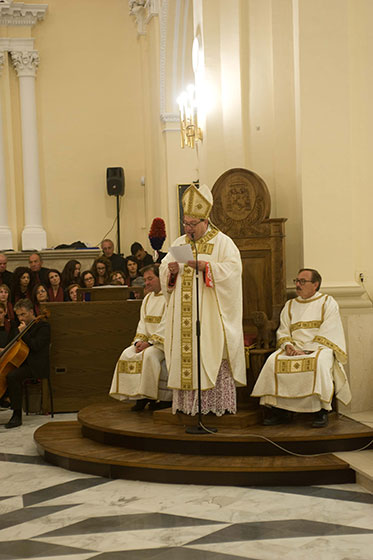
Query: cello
[16, 352]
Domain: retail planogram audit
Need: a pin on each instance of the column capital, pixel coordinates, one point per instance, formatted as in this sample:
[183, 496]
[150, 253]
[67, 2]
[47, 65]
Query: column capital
[143, 11]
[25, 62]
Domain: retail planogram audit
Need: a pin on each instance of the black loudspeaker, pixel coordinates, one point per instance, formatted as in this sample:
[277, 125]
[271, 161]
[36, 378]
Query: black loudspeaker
[115, 181]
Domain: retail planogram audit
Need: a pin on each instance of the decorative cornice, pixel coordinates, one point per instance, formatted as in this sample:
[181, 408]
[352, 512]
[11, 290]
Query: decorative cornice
[25, 62]
[143, 11]
[19, 13]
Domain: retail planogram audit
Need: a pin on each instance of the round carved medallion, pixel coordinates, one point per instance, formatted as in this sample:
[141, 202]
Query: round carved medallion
[241, 202]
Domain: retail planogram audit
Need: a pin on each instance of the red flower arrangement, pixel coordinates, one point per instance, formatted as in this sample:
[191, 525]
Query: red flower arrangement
[157, 233]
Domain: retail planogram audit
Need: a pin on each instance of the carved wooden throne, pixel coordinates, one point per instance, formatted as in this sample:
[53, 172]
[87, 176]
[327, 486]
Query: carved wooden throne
[241, 209]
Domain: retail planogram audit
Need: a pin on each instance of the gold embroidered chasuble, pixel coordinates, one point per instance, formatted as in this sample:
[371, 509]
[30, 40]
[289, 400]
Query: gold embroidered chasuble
[307, 382]
[137, 374]
[220, 314]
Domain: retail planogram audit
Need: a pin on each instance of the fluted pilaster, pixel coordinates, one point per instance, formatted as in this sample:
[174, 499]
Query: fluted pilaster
[25, 63]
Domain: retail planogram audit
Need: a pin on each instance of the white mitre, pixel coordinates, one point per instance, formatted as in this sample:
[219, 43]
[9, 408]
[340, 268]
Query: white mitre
[197, 202]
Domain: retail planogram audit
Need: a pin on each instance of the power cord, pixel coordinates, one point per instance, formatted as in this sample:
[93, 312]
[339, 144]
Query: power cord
[288, 450]
[111, 229]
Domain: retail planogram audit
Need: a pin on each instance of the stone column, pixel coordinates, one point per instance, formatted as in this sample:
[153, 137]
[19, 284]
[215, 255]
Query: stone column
[6, 241]
[33, 234]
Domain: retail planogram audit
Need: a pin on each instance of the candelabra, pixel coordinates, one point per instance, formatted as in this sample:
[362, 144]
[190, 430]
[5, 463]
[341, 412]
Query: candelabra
[189, 129]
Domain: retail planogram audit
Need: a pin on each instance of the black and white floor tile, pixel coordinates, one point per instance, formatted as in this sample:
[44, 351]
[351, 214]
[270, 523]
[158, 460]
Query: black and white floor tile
[49, 513]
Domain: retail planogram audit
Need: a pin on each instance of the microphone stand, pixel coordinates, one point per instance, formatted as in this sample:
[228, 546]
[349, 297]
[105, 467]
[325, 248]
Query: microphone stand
[200, 428]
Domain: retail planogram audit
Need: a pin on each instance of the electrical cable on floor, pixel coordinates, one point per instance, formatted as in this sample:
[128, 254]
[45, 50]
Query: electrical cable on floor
[305, 454]
[293, 452]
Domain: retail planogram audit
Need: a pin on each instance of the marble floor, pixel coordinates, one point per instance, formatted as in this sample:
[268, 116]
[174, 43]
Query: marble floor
[49, 513]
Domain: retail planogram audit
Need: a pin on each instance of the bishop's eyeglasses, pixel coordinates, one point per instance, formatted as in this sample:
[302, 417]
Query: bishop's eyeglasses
[191, 224]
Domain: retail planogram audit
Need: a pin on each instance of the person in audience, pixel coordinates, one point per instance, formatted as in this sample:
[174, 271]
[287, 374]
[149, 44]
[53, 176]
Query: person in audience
[39, 296]
[5, 297]
[118, 278]
[8, 328]
[70, 273]
[55, 290]
[306, 370]
[87, 280]
[133, 275]
[143, 258]
[39, 274]
[101, 270]
[21, 284]
[117, 261]
[5, 275]
[36, 365]
[141, 372]
[72, 292]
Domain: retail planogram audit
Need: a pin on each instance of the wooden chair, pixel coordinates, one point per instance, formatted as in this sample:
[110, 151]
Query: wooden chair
[241, 209]
[31, 384]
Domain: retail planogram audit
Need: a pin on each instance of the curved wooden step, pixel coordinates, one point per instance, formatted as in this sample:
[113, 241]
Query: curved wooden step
[62, 444]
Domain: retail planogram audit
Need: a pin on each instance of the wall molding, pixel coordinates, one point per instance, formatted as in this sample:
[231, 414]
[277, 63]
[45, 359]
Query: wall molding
[19, 13]
[16, 44]
[348, 297]
[165, 116]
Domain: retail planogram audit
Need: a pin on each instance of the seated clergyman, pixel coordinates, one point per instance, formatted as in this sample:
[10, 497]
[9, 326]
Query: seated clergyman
[141, 372]
[306, 370]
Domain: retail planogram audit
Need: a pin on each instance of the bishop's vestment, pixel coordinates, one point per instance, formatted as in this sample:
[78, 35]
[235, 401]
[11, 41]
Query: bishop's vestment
[220, 298]
[306, 383]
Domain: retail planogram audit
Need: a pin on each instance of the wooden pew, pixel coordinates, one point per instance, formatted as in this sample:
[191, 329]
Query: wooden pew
[110, 293]
[87, 340]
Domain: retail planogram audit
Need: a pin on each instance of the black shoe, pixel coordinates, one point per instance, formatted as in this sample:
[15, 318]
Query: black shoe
[320, 419]
[159, 405]
[14, 422]
[140, 405]
[278, 416]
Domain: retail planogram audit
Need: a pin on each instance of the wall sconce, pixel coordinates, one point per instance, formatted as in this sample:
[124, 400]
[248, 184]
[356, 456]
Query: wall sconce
[189, 129]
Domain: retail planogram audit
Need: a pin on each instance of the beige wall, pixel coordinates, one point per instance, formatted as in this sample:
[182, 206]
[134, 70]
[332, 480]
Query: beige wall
[90, 117]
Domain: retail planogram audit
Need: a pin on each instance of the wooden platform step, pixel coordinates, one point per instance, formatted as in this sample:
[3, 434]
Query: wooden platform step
[62, 444]
[114, 424]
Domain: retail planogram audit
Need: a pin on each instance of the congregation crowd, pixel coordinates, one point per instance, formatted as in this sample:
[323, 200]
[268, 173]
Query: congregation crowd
[40, 284]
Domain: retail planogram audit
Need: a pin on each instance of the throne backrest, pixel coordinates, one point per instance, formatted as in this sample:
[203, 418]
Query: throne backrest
[241, 209]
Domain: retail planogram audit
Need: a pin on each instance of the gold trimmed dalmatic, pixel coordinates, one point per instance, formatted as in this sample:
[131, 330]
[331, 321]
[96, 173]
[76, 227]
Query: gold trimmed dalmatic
[144, 374]
[307, 382]
[220, 314]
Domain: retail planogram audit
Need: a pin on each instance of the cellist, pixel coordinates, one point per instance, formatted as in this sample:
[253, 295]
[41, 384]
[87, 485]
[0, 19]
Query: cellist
[36, 364]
